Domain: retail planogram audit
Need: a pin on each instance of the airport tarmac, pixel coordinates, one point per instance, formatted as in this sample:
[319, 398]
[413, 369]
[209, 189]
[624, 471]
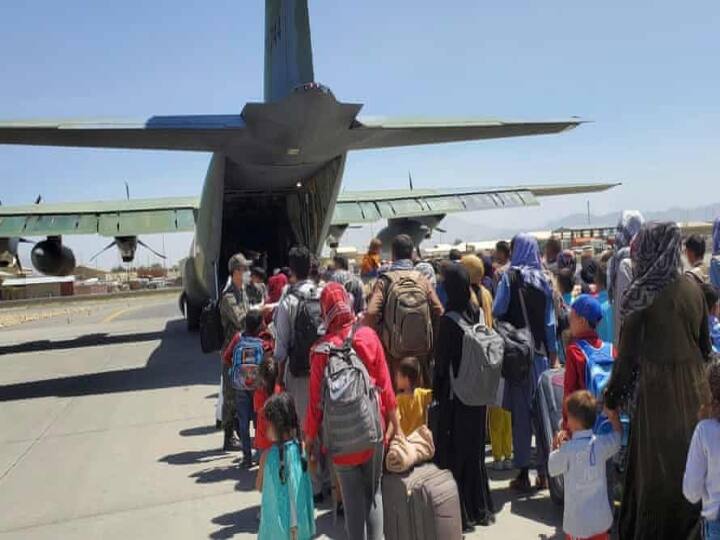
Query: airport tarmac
[107, 431]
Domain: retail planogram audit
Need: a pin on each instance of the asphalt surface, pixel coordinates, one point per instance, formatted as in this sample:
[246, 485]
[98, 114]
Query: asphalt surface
[107, 431]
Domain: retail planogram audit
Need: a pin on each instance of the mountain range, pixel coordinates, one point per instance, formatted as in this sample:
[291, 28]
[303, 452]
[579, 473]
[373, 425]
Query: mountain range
[457, 226]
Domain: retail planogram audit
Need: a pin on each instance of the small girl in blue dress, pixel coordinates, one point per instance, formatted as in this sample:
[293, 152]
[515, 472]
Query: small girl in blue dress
[287, 510]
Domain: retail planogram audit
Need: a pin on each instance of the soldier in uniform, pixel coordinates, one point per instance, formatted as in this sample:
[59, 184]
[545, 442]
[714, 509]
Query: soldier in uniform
[234, 306]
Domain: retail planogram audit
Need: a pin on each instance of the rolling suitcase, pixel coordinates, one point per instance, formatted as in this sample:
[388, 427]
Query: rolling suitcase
[422, 504]
[548, 417]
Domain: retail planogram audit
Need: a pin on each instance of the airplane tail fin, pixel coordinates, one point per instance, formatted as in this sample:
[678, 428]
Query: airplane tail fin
[288, 50]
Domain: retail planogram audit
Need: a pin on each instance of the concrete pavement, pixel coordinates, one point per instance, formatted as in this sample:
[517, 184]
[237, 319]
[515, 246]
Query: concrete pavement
[107, 431]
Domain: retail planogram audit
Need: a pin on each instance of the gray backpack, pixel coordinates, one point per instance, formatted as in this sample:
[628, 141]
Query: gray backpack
[351, 410]
[477, 381]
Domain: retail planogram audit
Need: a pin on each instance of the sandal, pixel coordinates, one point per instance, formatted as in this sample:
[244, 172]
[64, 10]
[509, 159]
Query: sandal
[541, 483]
[521, 484]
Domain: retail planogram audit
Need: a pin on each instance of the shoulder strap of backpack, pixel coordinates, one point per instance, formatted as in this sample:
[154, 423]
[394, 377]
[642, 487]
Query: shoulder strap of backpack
[458, 319]
[588, 350]
[585, 348]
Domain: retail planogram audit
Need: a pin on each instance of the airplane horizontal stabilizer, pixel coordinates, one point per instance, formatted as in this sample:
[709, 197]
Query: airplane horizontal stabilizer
[202, 133]
[387, 133]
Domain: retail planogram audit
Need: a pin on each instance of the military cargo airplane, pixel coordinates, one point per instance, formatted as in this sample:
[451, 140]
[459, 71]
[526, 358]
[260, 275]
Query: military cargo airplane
[275, 173]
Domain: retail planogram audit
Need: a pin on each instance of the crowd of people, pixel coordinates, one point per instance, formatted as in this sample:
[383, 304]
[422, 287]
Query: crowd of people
[635, 329]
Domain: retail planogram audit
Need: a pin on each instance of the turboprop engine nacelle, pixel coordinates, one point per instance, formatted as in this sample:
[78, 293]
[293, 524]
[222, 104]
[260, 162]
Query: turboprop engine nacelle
[51, 258]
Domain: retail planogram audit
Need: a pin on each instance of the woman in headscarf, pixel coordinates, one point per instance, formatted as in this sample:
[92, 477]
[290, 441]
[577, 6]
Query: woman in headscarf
[620, 267]
[659, 374]
[275, 287]
[526, 277]
[715, 261]
[427, 270]
[479, 295]
[370, 266]
[499, 421]
[566, 259]
[359, 473]
[460, 442]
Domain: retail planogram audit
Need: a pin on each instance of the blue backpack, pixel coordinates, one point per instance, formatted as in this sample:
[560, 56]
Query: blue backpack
[247, 356]
[598, 368]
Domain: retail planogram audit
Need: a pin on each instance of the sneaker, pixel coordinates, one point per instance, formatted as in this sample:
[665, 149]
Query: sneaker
[508, 465]
[497, 465]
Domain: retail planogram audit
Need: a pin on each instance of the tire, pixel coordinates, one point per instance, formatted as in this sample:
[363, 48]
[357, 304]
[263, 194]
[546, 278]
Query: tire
[192, 315]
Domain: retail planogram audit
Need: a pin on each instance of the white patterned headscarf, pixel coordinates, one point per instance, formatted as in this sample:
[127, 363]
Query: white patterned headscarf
[427, 270]
[655, 253]
[628, 226]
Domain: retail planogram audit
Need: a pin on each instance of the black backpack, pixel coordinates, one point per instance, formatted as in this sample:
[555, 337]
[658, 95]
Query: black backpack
[212, 334]
[308, 318]
[518, 356]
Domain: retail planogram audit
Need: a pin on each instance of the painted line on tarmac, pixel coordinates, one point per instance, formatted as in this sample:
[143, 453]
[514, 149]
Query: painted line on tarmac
[125, 310]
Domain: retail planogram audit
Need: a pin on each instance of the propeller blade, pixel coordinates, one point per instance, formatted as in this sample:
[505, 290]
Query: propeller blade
[410, 180]
[438, 229]
[38, 200]
[143, 244]
[127, 191]
[103, 250]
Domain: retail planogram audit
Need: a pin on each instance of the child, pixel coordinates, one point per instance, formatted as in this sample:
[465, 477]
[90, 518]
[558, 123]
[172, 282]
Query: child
[412, 402]
[702, 471]
[244, 354]
[287, 510]
[581, 460]
[585, 315]
[266, 387]
[500, 427]
[713, 303]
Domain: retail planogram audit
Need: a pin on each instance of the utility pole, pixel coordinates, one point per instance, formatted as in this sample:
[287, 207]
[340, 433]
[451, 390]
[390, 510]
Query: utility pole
[588, 212]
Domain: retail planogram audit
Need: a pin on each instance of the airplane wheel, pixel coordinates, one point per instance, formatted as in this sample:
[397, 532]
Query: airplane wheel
[192, 315]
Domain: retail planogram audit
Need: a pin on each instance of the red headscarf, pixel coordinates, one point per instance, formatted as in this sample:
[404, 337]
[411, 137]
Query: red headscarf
[336, 308]
[276, 284]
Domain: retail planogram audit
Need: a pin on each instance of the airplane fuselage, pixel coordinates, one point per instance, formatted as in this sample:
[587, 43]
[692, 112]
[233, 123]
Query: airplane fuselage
[273, 188]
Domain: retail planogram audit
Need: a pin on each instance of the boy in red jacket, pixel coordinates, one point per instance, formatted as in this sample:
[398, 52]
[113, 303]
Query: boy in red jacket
[585, 315]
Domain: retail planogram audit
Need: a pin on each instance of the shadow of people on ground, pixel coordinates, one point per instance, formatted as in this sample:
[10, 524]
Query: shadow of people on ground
[232, 523]
[200, 430]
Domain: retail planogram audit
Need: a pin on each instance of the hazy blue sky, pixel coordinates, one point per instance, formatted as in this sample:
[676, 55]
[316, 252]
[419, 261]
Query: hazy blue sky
[645, 72]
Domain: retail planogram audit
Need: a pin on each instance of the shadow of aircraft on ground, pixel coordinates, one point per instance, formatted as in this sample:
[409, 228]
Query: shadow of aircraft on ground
[177, 361]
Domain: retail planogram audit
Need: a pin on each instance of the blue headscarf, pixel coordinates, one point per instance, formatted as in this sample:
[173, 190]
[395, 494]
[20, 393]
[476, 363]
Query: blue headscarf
[716, 237]
[526, 258]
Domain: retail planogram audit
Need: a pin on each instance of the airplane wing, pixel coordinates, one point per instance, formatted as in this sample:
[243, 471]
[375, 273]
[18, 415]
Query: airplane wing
[204, 133]
[212, 133]
[106, 218]
[387, 132]
[370, 206]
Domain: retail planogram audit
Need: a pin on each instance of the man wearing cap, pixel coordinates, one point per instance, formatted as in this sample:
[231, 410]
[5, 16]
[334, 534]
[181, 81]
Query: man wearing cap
[234, 306]
[585, 315]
